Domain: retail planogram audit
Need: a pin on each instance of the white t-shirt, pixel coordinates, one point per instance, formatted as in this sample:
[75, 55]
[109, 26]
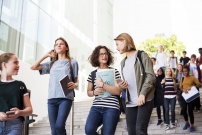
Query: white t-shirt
[193, 70]
[155, 68]
[161, 59]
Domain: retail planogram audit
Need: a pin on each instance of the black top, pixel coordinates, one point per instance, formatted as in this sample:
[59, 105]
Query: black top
[11, 95]
[185, 60]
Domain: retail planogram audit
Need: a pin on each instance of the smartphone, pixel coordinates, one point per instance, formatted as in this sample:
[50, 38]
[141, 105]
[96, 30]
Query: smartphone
[119, 80]
[10, 112]
[51, 59]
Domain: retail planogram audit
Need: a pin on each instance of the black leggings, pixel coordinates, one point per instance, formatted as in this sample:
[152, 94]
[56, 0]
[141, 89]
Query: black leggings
[137, 118]
[190, 106]
[158, 110]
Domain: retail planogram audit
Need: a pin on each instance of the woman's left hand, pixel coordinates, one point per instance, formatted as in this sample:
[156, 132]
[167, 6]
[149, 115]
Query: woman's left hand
[16, 114]
[71, 85]
[141, 100]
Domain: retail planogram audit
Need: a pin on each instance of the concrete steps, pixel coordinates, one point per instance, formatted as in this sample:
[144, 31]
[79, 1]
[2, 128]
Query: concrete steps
[81, 110]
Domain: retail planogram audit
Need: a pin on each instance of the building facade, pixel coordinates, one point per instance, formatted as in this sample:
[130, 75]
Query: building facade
[29, 28]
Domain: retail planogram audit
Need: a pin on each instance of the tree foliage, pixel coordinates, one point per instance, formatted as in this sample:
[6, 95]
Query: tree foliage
[170, 43]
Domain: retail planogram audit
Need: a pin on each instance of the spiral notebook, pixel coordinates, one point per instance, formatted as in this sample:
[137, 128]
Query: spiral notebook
[63, 84]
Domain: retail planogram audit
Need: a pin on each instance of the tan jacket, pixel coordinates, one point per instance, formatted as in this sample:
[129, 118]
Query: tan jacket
[145, 80]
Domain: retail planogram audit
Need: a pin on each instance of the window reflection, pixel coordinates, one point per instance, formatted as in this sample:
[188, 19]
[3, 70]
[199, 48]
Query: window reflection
[8, 38]
[28, 38]
[44, 34]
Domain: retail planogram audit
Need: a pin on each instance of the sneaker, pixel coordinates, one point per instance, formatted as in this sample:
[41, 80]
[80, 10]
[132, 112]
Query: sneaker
[167, 127]
[159, 122]
[186, 126]
[192, 129]
[173, 125]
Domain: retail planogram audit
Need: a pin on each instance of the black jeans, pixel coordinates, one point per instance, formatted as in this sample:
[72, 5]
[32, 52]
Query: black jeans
[190, 106]
[123, 105]
[137, 118]
[197, 103]
[158, 110]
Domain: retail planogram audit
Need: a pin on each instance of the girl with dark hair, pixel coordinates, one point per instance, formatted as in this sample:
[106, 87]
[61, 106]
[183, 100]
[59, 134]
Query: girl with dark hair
[105, 110]
[185, 85]
[160, 77]
[62, 65]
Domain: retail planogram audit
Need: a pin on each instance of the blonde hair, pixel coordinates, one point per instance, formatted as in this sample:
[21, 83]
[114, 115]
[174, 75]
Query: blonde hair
[172, 76]
[129, 43]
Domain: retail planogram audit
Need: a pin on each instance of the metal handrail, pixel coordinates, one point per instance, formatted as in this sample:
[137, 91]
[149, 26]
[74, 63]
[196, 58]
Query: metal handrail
[72, 119]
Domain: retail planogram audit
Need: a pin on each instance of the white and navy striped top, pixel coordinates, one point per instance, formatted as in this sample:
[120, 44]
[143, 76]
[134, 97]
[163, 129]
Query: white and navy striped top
[110, 101]
[169, 88]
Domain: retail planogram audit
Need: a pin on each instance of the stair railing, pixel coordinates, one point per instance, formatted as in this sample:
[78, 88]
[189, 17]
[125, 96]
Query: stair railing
[72, 119]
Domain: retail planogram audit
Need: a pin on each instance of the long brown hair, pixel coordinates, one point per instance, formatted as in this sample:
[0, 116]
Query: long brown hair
[67, 52]
[129, 45]
[67, 55]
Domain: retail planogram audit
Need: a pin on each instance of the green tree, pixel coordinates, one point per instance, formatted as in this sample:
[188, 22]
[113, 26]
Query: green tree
[170, 43]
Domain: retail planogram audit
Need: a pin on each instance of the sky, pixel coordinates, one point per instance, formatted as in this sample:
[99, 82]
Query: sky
[144, 19]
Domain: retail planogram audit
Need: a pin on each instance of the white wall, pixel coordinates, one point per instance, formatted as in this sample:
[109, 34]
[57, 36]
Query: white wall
[38, 84]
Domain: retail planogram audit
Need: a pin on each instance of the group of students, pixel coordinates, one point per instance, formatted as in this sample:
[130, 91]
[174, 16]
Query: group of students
[138, 81]
[105, 111]
[176, 80]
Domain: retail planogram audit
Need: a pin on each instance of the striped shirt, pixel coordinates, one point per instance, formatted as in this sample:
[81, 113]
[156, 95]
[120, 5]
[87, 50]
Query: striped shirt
[169, 88]
[110, 101]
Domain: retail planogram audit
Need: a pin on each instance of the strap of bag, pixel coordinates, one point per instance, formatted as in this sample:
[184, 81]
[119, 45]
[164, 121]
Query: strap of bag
[71, 69]
[93, 75]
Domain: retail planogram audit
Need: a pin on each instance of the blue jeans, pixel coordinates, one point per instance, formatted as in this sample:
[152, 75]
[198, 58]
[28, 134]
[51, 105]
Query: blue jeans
[137, 118]
[58, 111]
[11, 127]
[172, 102]
[109, 117]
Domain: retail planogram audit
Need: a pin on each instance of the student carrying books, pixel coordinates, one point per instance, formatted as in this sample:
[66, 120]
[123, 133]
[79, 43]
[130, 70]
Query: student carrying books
[105, 109]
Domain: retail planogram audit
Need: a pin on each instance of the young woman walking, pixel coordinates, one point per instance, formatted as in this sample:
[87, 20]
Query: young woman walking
[59, 105]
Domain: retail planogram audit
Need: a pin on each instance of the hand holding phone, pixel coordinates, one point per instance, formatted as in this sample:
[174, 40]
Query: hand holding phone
[119, 80]
[10, 112]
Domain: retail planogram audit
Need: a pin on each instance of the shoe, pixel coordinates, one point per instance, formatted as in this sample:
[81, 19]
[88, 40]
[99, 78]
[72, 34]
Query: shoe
[167, 127]
[186, 126]
[173, 125]
[192, 129]
[159, 122]
[198, 110]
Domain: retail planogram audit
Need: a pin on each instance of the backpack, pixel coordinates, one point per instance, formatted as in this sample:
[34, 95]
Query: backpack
[159, 92]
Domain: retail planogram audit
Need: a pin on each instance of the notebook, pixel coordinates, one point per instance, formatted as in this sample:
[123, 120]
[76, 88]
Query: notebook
[63, 84]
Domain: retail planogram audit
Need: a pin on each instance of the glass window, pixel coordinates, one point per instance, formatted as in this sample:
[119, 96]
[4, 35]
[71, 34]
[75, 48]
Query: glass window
[28, 38]
[35, 1]
[46, 5]
[1, 2]
[44, 43]
[9, 38]
[11, 13]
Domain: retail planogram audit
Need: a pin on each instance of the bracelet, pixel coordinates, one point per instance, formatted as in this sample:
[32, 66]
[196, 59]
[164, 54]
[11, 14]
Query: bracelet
[103, 85]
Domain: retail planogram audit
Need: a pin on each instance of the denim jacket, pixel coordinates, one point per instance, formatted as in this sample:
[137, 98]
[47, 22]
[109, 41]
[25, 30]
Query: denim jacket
[145, 80]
